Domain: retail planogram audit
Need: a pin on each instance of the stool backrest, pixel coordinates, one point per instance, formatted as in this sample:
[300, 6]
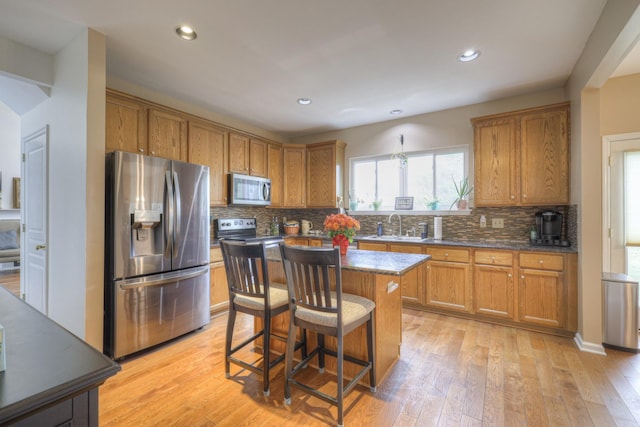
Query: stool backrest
[246, 269]
[310, 272]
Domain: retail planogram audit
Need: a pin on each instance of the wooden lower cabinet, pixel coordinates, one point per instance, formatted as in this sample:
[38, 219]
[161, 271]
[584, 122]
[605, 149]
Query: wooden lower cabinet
[303, 241]
[493, 284]
[219, 291]
[448, 279]
[542, 293]
[529, 289]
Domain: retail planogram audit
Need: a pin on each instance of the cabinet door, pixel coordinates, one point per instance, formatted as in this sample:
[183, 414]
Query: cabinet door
[545, 157]
[412, 281]
[167, 135]
[207, 146]
[294, 177]
[496, 162]
[322, 171]
[493, 291]
[372, 246]
[126, 125]
[258, 158]
[448, 286]
[274, 173]
[238, 153]
[541, 299]
[219, 299]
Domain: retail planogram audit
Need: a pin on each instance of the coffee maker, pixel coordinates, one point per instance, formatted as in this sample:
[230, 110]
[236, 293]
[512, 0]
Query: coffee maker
[549, 229]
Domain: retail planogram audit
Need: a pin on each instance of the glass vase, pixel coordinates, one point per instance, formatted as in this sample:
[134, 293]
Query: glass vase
[342, 242]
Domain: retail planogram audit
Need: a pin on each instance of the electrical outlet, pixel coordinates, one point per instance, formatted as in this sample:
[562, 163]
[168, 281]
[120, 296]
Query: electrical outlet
[497, 223]
[483, 221]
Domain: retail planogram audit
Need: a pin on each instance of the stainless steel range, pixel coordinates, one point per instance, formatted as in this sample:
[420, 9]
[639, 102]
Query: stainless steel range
[241, 229]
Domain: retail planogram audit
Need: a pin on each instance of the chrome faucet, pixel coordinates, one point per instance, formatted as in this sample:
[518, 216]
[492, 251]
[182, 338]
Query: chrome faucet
[399, 222]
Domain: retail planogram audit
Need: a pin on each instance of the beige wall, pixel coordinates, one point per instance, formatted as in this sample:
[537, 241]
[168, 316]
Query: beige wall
[620, 105]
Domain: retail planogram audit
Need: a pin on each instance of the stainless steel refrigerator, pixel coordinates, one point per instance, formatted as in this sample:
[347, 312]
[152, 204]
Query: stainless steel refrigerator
[157, 251]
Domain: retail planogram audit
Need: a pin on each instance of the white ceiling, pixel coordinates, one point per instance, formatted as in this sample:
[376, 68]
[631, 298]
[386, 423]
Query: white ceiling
[357, 59]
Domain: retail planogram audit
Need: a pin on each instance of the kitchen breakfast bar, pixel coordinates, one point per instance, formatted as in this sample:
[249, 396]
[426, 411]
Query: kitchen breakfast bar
[378, 276]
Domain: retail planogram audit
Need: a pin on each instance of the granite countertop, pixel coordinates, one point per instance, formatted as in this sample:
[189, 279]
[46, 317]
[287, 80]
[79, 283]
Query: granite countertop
[512, 245]
[392, 263]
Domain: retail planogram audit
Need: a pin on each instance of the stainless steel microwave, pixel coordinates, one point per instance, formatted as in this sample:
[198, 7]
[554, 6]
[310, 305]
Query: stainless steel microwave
[249, 190]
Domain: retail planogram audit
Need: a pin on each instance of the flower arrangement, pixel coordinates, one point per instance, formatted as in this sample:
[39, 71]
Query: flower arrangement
[341, 225]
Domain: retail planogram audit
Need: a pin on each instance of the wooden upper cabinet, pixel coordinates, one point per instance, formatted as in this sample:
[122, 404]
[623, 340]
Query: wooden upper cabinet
[293, 157]
[258, 158]
[208, 146]
[522, 158]
[496, 162]
[545, 156]
[167, 134]
[325, 169]
[275, 173]
[238, 153]
[126, 125]
[247, 155]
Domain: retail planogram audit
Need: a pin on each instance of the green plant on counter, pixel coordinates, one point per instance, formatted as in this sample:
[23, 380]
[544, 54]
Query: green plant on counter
[432, 203]
[376, 204]
[463, 189]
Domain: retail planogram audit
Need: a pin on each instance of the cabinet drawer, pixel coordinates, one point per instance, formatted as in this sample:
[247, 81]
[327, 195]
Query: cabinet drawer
[215, 255]
[542, 261]
[494, 258]
[449, 254]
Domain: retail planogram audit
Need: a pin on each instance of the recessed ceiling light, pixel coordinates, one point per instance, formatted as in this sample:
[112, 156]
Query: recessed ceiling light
[304, 101]
[395, 112]
[186, 32]
[469, 55]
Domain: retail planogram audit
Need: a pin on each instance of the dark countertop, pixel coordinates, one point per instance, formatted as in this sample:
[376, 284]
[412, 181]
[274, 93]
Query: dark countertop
[487, 244]
[392, 263]
[512, 245]
[45, 362]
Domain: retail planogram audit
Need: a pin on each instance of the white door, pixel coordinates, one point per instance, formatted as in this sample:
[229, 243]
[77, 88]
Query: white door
[34, 203]
[619, 257]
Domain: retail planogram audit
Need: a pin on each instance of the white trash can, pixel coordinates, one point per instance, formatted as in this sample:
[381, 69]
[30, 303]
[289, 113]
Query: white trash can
[620, 312]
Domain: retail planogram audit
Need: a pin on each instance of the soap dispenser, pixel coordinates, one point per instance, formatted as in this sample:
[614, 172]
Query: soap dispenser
[425, 230]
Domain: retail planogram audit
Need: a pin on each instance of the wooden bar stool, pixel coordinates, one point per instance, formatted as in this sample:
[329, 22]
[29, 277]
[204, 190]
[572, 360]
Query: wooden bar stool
[314, 307]
[251, 292]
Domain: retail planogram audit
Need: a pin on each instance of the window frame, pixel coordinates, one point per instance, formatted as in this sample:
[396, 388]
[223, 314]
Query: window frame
[403, 178]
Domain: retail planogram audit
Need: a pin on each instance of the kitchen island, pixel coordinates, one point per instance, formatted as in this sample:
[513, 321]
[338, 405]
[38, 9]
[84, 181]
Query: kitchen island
[378, 276]
[52, 376]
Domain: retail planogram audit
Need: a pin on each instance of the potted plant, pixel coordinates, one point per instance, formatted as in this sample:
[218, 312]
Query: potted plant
[463, 189]
[376, 204]
[432, 203]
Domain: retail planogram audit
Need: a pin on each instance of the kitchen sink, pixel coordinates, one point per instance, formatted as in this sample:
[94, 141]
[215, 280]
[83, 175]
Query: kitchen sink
[395, 238]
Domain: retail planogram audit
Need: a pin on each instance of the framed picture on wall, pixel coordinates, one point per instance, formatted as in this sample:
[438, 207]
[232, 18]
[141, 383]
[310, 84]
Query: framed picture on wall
[16, 193]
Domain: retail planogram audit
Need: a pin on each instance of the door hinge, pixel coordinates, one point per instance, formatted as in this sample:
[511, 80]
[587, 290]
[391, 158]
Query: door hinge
[609, 232]
[24, 227]
[24, 157]
[609, 161]
[24, 297]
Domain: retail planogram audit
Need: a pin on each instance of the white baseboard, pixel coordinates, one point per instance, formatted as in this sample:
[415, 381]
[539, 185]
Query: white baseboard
[588, 347]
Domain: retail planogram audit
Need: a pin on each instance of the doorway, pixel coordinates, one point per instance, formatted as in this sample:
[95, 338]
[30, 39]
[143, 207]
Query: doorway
[621, 204]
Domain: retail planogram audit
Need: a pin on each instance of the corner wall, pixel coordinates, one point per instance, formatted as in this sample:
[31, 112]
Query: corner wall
[10, 149]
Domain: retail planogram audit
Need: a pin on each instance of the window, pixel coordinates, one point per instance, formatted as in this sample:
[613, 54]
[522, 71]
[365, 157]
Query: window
[631, 202]
[428, 176]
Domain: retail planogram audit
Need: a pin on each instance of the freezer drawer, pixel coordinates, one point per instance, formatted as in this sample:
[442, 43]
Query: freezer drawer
[153, 309]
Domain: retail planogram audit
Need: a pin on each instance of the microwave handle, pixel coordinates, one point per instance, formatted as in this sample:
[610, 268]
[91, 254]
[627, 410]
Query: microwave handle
[266, 189]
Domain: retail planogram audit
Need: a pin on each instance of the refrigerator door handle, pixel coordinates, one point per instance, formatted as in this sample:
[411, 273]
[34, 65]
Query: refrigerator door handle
[169, 224]
[161, 279]
[177, 233]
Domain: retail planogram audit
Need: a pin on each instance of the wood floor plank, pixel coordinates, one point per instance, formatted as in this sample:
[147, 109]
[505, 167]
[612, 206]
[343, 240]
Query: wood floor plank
[451, 372]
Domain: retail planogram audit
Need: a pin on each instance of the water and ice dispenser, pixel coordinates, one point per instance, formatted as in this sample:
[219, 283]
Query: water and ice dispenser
[146, 233]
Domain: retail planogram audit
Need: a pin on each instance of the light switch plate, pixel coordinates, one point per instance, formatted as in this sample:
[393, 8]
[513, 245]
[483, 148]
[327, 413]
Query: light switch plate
[497, 223]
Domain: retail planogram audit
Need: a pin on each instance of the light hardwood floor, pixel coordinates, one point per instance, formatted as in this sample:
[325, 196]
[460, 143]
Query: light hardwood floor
[11, 281]
[451, 372]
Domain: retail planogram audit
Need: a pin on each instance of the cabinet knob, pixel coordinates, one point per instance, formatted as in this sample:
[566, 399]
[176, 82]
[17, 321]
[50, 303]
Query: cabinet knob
[141, 150]
[509, 275]
[153, 153]
[446, 254]
[541, 262]
[522, 277]
[524, 196]
[493, 259]
[513, 197]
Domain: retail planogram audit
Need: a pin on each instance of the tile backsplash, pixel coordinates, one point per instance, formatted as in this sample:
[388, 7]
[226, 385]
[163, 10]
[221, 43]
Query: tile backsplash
[518, 221]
